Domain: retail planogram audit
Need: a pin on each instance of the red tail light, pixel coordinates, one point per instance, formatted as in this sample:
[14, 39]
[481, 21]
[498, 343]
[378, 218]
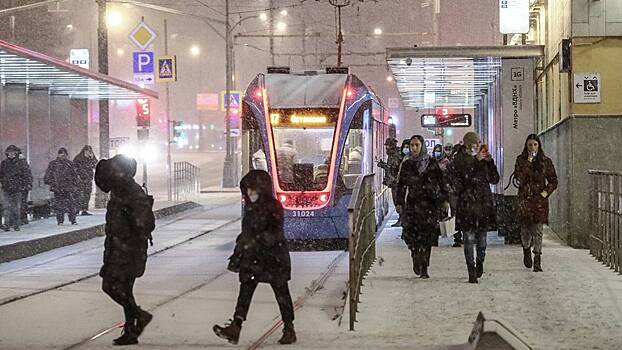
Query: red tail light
[303, 200]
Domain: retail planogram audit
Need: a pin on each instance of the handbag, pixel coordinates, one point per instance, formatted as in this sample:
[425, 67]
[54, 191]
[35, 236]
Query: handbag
[448, 225]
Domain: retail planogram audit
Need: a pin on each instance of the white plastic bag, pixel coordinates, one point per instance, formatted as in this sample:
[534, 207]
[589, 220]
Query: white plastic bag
[448, 225]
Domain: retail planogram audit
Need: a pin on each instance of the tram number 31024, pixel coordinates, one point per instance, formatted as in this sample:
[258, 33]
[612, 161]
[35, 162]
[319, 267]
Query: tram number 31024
[303, 213]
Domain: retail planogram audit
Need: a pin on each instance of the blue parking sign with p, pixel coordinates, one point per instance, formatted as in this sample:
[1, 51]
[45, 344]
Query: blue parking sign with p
[143, 62]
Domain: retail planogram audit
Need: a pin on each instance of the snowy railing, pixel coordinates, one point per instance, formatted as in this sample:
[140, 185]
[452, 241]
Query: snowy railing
[361, 238]
[186, 180]
[606, 218]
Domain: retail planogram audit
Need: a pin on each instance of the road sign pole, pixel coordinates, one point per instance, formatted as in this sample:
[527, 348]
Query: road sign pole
[169, 165]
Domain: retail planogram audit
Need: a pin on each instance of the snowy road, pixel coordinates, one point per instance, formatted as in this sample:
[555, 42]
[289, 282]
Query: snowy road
[186, 286]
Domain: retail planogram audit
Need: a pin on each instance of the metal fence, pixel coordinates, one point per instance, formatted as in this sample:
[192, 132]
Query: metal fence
[361, 239]
[186, 181]
[606, 218]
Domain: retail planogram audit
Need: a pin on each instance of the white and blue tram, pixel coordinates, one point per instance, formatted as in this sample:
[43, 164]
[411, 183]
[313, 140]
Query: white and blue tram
[315, 133]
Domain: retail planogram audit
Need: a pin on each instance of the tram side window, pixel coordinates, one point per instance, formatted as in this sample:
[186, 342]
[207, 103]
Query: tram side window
[357, 151]
[252, 141]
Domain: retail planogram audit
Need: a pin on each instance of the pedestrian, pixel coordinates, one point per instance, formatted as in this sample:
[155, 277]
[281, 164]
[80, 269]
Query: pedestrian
[129, 223]
[453, 199]
[422, 204]
[537, 180]
[26, 190]
[14, 176]
[63, 180]
[260, 256]
[85, 163]
[473, 171]
[440, 156]
[286, 156]
[391, 169]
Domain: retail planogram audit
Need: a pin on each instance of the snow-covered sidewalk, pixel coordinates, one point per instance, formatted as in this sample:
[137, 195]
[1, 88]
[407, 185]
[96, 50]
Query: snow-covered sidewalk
[575, 304]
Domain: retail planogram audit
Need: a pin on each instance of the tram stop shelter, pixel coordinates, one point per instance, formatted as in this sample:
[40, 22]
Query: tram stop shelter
[44, 105]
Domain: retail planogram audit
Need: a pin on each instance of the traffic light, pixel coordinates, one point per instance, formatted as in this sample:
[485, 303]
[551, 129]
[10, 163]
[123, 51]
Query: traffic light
[178, 126]
[143, 112]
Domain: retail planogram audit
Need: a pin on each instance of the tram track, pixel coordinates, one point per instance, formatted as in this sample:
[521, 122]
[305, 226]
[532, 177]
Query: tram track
[310, 290]
[83, 278]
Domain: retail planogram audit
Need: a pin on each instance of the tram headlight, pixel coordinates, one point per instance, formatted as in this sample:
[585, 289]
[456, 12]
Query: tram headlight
[324, 198]
[283, 198]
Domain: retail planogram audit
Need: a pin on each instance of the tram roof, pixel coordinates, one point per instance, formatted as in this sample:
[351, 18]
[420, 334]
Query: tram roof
[19, 65]
[313, 91]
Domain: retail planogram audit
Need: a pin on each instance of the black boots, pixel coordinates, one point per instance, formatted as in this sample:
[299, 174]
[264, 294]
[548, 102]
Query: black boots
[128, 336]
[416, 263]
[479, 269]
[537, 262]
[472, 274]
[135, 323]
[231, 330]
[527, 257]
[142, 320]
[289, 335]
[424, 270]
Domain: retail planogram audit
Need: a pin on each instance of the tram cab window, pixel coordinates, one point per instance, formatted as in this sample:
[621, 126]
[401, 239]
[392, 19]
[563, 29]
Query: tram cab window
[252, 143]
[357, 150]
[303, 146]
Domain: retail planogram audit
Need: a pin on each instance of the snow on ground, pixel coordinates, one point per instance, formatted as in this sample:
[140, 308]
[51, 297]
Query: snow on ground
[575, 304]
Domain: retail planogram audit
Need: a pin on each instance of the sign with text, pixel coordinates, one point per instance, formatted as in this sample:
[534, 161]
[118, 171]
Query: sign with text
[430, 143]
[79, 57]
[460, 120]
[514, 16]
[517, 114]
[587, 87]
[143, 112]
[143, 63]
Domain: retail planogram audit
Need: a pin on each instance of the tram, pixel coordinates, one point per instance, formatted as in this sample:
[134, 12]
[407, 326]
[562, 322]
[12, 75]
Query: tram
[315, 133]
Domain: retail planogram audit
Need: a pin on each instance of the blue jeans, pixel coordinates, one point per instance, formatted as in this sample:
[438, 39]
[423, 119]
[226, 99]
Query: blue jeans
[11, 203]
[475, 239]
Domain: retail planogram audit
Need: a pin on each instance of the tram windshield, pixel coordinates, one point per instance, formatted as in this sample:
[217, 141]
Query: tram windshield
[303, 140]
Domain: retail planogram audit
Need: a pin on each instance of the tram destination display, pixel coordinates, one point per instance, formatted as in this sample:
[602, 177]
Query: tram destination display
[461, 120]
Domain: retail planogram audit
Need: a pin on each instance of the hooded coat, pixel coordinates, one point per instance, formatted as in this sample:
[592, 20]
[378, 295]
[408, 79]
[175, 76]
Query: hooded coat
[85, 167]
[534, 178]
[471, 180]
[129, 219]
[421, 196]
[61, 175]
[261, 251]
[15, 174]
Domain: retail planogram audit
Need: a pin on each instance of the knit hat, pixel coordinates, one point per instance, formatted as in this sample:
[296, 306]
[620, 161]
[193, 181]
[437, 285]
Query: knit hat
[63, 150]
[470, 138]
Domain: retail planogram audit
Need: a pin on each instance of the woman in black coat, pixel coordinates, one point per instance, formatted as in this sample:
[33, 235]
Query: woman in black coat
[129, 223]
[423, 195]
[537, 180]
[260, 255]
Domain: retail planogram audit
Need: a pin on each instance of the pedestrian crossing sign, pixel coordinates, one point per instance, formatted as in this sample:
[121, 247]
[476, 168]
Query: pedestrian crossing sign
[233, 99]
[166, 69]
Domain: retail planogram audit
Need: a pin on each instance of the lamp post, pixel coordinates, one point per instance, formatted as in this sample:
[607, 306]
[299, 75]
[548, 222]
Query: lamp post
[104, 123]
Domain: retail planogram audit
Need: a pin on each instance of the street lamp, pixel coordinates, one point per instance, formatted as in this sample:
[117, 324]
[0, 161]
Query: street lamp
[195, 50]
[378, 31]
[114, 19]
[281, 26]
[263, 16]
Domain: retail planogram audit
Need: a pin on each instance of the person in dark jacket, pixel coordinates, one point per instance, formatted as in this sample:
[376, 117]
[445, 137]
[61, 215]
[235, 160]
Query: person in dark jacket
[129, 223]
[537, 180]
[473, 171]
[453, 199]
[85, 163]
[15, 176]
[260, 256]
[26, 191]
[391, 169]
[63, 180]
[423, 196]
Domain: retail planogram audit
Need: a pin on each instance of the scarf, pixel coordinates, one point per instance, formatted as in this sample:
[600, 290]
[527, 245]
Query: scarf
[422, 160]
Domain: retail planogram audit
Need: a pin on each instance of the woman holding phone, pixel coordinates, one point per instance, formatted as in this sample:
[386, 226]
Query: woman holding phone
[537, 181]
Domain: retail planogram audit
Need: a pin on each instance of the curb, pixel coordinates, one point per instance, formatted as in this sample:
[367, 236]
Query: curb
[25, 249]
